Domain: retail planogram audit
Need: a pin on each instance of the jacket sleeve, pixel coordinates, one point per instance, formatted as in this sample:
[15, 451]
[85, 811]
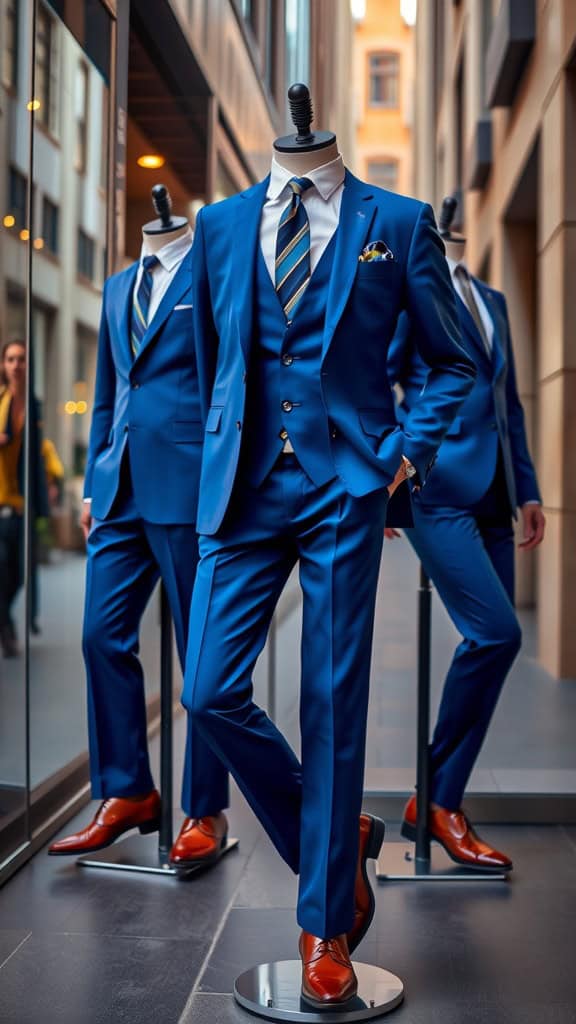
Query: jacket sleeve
[524, 473]
[104, 396]
[431, 307]
[205, 334]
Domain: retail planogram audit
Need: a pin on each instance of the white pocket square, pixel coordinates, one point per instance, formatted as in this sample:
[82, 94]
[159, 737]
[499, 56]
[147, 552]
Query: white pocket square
[185, 306]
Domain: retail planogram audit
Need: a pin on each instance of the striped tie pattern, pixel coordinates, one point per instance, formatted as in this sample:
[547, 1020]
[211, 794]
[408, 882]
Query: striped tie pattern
[141, 304]
[292, 268]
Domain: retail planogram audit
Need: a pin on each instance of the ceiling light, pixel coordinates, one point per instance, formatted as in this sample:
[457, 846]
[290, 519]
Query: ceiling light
[151, 161]
[9, 221]
[33, 105]
[38, 243]
[24, 234]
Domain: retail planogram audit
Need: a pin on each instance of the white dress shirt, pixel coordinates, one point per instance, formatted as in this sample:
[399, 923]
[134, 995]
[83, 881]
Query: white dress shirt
[170, 257]
[487, 321]
[322, 204]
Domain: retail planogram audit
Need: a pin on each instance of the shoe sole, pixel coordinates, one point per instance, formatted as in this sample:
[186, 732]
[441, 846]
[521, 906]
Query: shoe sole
[146, 829]
[200, 862]
[373, 847]
[409, 832]
[319, 1004]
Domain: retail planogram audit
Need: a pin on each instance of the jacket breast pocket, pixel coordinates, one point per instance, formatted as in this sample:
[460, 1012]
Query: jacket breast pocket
[187, 431]
[213, 419]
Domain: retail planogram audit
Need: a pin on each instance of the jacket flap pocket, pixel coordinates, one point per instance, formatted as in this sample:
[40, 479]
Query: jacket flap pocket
[373, 422]
[455, 427]
[186, 430]
[213, 420]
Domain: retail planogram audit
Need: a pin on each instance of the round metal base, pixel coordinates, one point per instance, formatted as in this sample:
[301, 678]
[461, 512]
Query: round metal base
[274, 991]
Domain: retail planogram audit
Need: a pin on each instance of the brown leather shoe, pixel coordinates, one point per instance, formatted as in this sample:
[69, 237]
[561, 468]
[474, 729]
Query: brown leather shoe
[114, 816]
[371, 839]
[455, 834]
[327, 975]
[201, 841]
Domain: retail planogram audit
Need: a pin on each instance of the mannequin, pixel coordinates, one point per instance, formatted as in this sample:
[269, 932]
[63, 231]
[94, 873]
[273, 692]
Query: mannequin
[158, 233]
[140, 498]
[483, 474]
[300, 447]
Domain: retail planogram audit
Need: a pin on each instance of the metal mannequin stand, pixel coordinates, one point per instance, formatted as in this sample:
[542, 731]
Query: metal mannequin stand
[408, 862]
[150, 854]
[273, 991]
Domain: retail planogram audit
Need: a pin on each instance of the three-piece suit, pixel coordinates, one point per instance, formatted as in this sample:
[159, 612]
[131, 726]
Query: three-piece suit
[142, 476]
[463, 529]
[317, 378]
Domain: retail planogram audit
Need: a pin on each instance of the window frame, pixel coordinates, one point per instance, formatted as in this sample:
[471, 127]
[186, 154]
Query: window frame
[383, 76]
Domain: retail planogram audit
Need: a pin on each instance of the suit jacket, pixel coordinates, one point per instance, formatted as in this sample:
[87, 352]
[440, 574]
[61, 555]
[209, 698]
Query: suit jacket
[363, 302]
[490, 421]
[148, 404]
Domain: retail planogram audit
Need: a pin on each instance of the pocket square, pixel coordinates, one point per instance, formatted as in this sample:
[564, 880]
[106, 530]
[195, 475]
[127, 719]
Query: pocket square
[184, 306]
[375, 252]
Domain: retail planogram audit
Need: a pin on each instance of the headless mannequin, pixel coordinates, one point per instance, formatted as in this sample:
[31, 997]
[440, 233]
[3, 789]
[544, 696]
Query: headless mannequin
[153, 242]
[300, 164]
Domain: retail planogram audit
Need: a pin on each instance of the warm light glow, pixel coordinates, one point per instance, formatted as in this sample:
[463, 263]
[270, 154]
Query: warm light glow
[408, 11]
[151, 161]
[70, 408]
[80, 388]
[9, 221]
[24, 234]
[38, 243]
[358, 8]
[81, 407]
[33, 105]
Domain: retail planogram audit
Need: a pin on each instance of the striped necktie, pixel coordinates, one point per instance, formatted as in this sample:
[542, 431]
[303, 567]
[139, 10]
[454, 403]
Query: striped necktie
[292, 267]
[141, 304]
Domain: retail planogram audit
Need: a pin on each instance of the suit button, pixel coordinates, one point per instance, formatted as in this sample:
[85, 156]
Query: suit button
[238, 424]
[287, 359]
[288, 323]
[287, 406]
[333, 432]
[135, 386]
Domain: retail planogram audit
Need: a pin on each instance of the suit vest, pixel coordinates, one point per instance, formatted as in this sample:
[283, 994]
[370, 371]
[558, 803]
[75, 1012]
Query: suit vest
[284, 391]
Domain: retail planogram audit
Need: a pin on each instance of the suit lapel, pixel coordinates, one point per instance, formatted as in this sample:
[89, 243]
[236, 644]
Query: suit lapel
[500, 328]
[245, 234]
[178, 285]
[122, 298]
[356, 216]
[469, 326]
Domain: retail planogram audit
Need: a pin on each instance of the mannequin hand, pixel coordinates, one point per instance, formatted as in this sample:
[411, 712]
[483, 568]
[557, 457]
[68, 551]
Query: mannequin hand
[390, 533]
[534, 524]
[86, 519]
[398, 479]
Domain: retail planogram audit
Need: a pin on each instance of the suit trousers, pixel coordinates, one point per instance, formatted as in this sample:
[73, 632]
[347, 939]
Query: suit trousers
[126, 558]
[309, 807]
[469, 555]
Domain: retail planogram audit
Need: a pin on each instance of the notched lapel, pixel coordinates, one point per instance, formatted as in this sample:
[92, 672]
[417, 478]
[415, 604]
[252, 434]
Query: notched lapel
[178, 286]
[499, 359]
[356, 216]
[122, 291]
[246, 235]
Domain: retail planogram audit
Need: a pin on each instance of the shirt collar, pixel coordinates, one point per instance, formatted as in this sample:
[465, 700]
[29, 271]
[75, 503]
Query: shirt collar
[171, 254]
[326, 179]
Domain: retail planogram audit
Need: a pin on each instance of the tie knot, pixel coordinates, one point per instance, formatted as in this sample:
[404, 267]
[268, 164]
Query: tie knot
[149, 262]
[462, 271]
[299, 185]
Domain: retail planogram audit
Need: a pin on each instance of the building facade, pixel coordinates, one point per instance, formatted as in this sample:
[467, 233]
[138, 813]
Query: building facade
[495, 121]
[383, 79]
[99, 101]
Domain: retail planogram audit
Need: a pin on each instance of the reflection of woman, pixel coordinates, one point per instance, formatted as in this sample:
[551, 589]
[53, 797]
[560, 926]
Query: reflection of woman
[12, 420]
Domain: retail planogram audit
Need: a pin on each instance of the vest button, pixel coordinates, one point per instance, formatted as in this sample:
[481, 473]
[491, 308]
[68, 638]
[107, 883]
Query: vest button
[287, 406]
[287, 359]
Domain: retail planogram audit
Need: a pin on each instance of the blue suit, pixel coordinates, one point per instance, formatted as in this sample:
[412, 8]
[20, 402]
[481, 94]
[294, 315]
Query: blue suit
[463, 534]
[321, 376]
[142, 475]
